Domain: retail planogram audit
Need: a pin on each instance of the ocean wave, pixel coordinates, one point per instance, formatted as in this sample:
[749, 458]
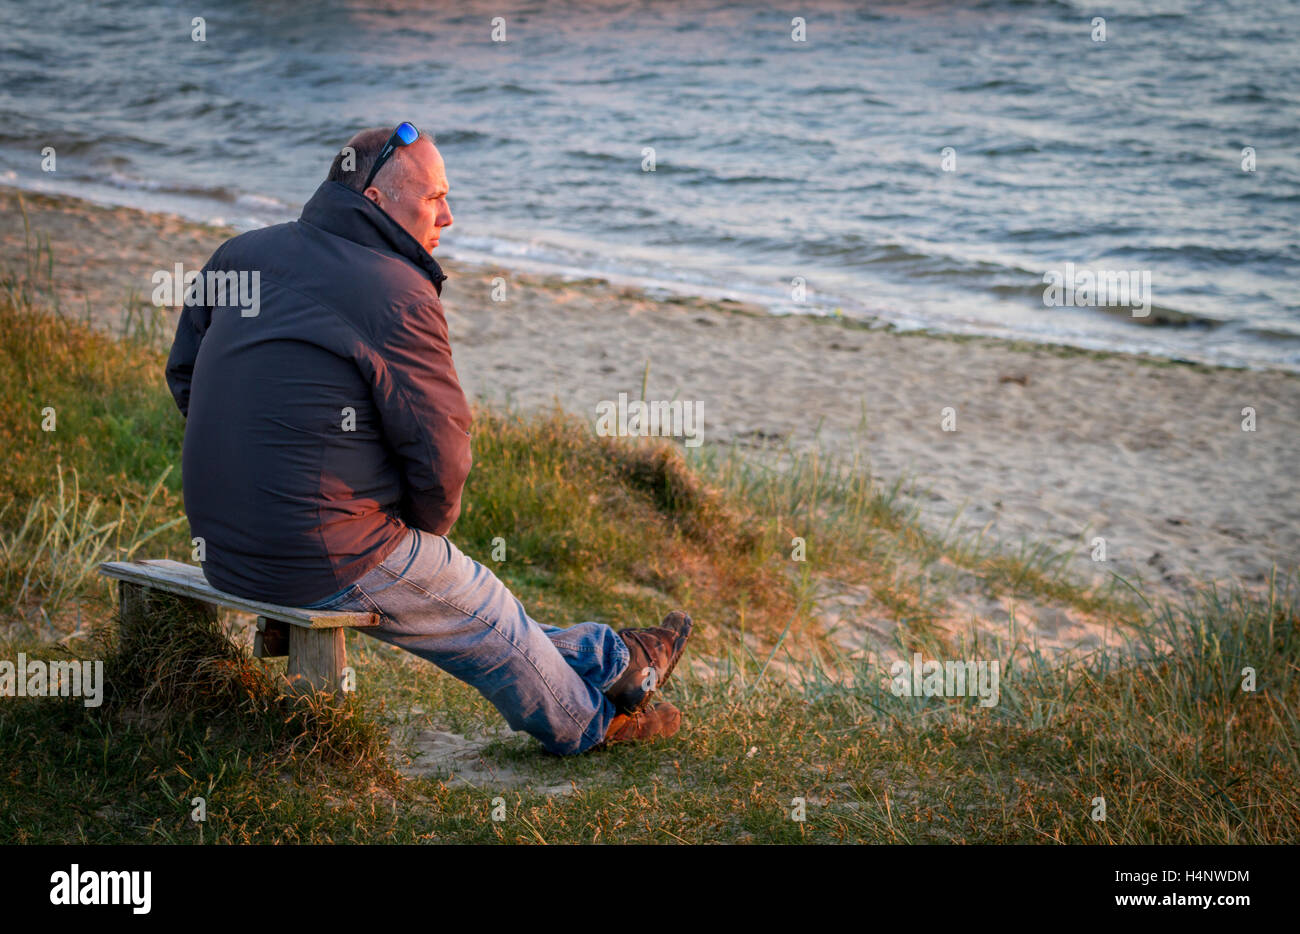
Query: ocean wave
[1202, 255]
[505, 87]
[209, 192]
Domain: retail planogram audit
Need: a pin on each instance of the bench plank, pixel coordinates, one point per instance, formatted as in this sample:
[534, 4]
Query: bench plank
[187, 580]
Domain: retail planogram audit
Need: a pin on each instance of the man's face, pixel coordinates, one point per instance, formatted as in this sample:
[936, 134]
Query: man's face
[421, 207]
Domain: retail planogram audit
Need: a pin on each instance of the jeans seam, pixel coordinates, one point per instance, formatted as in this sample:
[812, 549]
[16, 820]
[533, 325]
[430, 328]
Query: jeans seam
[472, 615]
[402, 577]
[585, 649]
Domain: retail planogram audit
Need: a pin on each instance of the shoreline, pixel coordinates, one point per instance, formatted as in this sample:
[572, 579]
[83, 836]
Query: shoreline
[1052, 443]
[670, 290]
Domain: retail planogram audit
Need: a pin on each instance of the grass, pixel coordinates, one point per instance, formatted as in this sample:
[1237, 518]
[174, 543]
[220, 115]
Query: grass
[616, 531]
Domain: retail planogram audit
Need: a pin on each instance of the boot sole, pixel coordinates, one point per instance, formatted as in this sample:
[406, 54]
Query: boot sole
[606, 743]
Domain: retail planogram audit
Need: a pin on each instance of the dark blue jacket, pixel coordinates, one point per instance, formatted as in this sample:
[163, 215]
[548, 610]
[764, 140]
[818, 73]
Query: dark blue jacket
[319, 428]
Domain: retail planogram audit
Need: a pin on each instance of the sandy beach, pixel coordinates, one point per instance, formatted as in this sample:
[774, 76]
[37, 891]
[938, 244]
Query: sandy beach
[1050, 445]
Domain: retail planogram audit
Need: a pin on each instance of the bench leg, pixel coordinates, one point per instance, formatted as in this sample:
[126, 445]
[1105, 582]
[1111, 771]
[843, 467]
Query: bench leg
[132, 610]
[271, 639]
[317, 658]
[135, 604]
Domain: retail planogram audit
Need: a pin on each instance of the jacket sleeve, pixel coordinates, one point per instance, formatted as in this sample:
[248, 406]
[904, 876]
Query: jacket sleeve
[193, 324]
[425, 416]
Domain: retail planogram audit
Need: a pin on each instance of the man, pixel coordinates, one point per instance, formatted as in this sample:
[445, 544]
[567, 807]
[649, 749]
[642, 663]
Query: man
[327, 443]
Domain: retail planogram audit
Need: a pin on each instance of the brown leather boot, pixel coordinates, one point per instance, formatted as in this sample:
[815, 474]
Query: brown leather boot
[652, 655]
[663, 719]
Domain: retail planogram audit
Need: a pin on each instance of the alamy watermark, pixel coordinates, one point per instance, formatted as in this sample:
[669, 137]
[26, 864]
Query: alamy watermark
[89, 887]
[946, 679]
[1124, 288]
[642, 419]
[216, 288]
[37, 678]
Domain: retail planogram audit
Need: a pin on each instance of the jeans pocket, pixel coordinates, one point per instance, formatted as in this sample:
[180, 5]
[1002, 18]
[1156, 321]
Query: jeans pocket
[341, 601]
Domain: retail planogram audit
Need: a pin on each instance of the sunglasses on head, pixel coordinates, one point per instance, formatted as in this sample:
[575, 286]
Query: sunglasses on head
[404, 135]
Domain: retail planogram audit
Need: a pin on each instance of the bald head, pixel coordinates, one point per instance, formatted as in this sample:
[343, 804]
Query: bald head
[354, 161]
[411, 187]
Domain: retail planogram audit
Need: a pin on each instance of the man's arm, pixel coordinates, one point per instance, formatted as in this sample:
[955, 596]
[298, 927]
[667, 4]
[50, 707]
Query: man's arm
[193, 324]
[425, 417]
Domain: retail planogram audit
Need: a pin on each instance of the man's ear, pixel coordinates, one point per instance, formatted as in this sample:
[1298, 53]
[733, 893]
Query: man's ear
[373, 194]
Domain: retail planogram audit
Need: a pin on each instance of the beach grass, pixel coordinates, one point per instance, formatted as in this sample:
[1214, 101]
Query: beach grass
[781, 720]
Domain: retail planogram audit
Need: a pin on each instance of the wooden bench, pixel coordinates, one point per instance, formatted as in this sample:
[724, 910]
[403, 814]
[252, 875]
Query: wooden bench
[313, 639]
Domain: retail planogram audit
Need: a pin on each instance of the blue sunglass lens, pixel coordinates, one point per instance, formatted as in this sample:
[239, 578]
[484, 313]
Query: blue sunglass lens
[407, 133]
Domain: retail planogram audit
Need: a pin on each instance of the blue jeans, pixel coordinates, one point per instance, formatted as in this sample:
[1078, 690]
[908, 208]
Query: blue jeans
[438, 603]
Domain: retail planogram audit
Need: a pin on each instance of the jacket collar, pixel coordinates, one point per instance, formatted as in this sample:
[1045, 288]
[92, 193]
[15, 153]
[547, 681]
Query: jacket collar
[347, 213]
